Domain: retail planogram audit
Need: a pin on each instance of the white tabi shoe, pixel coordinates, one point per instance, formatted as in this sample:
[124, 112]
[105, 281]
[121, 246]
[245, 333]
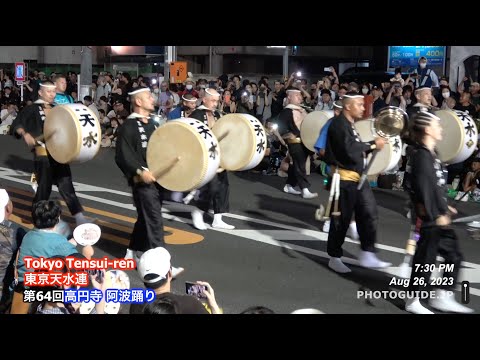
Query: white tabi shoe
[338, 266]
[415, 307]
[291, 190]
[352, 232]
[219, 224]
[197, 218]
[370, 260]
[445, 301]
[306, 194]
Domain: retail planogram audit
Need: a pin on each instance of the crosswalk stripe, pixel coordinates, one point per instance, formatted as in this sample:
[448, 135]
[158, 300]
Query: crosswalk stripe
[176, 236]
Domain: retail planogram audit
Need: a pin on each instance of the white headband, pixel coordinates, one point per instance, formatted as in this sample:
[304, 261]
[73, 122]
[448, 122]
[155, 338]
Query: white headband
[337, 106]
[293, 90]
[211, 94]
[192, 99]
[138, 91]
[50, 86]
[353, 96]
[433, 116]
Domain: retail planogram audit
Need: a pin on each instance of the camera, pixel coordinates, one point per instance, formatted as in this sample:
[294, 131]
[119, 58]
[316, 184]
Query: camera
[196, 290]
[299, 73]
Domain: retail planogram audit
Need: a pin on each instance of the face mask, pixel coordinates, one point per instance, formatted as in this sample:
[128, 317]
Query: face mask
[155, 91]
[365, 91]
[202, 86]
[446, 95]
[189, 87]
[423, 65]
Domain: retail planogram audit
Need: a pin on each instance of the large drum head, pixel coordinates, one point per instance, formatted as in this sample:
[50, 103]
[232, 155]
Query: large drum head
[72, 133]
[311, 127]
[384, 156]
[460, 136]
[242, 139]
[196, 147]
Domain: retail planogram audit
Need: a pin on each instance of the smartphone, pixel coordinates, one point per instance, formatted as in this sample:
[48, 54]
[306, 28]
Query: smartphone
[299, 73]
[195, 289]
[327, 69]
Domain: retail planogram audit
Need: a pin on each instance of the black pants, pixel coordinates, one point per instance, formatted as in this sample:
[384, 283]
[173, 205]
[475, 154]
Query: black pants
[49, 172]
[218, 191]
[148, 230]
[366, 215]
[435, 240]
[297, 175]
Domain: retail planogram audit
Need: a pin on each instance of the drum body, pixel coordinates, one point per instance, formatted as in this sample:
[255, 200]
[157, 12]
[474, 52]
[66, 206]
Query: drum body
[195, 146]
[243, 141]
[388, 157]
[72, 133]
[312, 126]
[460, 136]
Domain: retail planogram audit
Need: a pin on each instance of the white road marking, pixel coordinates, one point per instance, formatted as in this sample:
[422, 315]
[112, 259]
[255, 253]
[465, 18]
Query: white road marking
[272, 237]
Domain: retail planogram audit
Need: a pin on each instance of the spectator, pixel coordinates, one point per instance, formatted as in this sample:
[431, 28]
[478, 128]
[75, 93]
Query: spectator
[10, 239]
[466, 105]
[62, 308]
[155, 270]
[42, 241]
[425, 76]
[88, 102]
[8, 115]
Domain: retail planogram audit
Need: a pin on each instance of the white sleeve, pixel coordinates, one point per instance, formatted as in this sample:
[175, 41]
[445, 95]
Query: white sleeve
[434, 78]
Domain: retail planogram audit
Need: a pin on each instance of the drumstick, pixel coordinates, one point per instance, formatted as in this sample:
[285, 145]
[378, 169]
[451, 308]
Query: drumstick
[365, 172]
[330, 198]
[220, 138]
[337, 197]
[219, 170]
[41, 138]
[166, 168]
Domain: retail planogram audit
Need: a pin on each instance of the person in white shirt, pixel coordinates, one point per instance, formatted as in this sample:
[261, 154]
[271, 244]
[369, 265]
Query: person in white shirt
[8, 115]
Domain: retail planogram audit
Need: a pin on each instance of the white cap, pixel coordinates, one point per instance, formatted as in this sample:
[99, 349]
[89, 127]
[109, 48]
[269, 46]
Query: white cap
[4, 199]
[307, 311]
[156, 263]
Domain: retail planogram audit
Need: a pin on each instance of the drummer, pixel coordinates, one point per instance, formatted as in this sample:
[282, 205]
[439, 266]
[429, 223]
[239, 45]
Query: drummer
[217, 189]
[320, 146]
[131, 155]
[346, 152]
[290, 119]
[424, 97]
[189, 103]
[188, 106]
[29, 126]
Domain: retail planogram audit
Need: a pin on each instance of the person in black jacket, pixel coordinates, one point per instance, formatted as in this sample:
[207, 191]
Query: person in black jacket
[436, 235]
[346, 153]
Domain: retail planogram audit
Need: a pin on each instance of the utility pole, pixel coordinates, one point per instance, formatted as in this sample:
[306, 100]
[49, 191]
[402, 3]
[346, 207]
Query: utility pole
[85, 72]
[285, 62]
[170, 56]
